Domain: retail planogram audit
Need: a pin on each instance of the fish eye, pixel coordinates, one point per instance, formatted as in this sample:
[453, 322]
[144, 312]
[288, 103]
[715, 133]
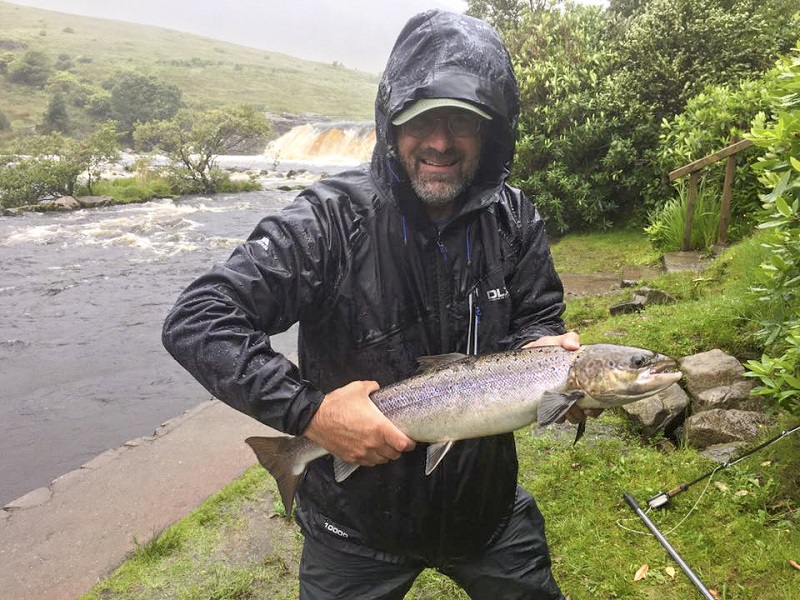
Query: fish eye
[638, 361]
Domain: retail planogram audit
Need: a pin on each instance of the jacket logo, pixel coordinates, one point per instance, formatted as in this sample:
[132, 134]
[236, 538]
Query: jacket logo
[335, 530]
[497, 294]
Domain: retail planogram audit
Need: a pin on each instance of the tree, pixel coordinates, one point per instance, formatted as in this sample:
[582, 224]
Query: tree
[137, 98]
[193, 140]
[56, 117]
[596, 85]
[51, 165]
[31, 68]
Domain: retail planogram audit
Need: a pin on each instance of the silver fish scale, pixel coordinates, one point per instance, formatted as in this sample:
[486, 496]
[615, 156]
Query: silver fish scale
[476, 396]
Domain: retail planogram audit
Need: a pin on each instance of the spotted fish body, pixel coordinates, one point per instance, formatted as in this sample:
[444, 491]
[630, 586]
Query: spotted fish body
[462, 397]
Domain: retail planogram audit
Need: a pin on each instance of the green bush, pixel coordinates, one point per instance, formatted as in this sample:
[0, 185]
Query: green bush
[666, 224]
[779, 286]
[711, 120]
[32, 68]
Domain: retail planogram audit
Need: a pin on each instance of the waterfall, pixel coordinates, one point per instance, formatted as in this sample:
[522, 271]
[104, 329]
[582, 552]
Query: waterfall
[325, 142]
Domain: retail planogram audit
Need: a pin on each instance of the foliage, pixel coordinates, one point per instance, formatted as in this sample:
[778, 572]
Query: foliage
[193, 140]
[31, 68]
[51, 165]
[137, 98]
[712, 119]
[779, 289]
[202, 68]
[596, 86]
[561, 58]
[666, 225]
[56, 117]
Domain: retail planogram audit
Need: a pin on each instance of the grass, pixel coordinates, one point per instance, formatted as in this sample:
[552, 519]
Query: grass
[210, 73]
[712, 310]
[667, 224]
[737, 530]
[608, 251]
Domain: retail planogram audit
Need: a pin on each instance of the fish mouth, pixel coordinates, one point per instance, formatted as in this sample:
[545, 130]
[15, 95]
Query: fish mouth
[667, 366]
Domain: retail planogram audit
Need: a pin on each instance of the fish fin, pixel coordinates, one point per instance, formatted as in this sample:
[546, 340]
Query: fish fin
[431, 363]
[436, 452]
[343, 469]
[580, 432]
[554, 406]
[278, 456]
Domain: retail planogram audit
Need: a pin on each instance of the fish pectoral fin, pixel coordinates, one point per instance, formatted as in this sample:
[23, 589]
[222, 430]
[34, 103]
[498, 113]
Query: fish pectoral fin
[580, 432]
[343, 469]
[436, 452]
[555, 405]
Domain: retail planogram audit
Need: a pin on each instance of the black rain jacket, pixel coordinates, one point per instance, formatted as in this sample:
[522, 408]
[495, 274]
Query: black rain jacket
[374, 284]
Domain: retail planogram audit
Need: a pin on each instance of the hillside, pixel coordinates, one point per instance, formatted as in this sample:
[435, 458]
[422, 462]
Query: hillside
[210, 73]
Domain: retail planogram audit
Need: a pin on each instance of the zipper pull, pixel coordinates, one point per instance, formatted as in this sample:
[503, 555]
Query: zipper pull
[442, 249]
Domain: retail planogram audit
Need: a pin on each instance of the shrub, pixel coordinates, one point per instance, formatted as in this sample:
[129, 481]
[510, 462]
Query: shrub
[779, 286]
[666, 224]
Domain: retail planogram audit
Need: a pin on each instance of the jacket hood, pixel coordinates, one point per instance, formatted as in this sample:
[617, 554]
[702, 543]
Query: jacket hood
[440, 54]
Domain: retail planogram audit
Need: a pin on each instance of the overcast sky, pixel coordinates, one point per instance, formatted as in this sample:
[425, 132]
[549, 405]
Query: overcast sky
[357, 33]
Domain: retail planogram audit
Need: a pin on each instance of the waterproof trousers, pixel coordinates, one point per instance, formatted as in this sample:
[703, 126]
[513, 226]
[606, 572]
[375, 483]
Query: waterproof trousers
[515, 566]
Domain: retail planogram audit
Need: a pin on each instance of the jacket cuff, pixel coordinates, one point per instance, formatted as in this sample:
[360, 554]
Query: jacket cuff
[302, 409]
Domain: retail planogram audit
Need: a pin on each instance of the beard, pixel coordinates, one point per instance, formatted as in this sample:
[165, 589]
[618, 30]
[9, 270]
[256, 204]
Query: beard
[437, 190]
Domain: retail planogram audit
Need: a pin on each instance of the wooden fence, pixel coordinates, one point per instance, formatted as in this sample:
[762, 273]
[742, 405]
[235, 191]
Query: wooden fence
[693, 170]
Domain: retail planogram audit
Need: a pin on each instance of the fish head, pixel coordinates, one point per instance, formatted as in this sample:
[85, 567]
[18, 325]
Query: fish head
[614, 375]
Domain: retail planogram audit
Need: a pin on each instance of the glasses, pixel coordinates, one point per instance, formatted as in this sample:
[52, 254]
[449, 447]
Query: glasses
[458, 124]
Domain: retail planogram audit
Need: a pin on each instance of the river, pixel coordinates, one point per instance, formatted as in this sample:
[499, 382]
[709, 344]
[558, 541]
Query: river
[82, 298]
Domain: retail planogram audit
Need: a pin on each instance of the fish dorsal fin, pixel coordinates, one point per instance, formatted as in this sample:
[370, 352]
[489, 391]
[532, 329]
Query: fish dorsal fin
[430, 363]
[554, 406]
[343, 469]
[436, 452]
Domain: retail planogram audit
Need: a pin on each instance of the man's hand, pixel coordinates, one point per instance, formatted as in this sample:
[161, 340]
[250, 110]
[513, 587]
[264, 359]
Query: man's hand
[568, 341]
[350, 426]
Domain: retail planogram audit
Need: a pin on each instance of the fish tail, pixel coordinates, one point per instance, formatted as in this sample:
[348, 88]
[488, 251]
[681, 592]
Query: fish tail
[280, 456]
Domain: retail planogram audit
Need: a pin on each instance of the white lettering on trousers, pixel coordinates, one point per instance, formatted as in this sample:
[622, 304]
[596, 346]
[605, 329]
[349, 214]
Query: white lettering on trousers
[335, 530]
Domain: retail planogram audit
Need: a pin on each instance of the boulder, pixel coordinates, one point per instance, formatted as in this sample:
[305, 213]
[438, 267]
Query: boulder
[722, 453]
[708, 370]
[658, 412]
[93, 201]
[737, 395]
[64, 203]
[721, 426]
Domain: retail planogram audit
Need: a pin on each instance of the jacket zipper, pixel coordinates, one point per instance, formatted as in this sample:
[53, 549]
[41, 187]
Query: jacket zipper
[442, 296]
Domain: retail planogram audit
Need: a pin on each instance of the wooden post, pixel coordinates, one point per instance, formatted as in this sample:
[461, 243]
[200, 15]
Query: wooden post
[690, 202]
[725, 209]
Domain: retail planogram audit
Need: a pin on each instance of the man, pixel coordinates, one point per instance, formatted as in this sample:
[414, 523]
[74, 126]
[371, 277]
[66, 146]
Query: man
[426, 251]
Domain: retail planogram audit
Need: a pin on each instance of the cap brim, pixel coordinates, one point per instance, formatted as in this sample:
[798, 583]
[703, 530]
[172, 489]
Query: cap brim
[426, 104]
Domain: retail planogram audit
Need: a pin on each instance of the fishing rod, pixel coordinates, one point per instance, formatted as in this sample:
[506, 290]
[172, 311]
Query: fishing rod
[662, 498]
[668, 547]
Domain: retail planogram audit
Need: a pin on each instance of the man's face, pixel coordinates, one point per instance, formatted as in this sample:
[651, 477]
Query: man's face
[440, 150]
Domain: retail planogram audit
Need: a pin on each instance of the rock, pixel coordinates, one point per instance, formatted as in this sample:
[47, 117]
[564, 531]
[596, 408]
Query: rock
[722, 453]
[737, 395]
[710, 369]
[658, 412]
[641, 298]
[720, 426]
[653, 296]
[64, 203]
[625, 308]
[94, 201]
